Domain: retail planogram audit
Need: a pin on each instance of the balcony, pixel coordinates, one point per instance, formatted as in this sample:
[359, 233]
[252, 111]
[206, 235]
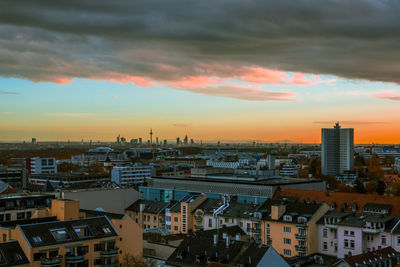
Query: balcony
[256, 230]
[301, 225]
[109, 252]
[330, 225]
[109, 265]
[300, 236]
[74, 258]
[301, 248]
[49, 262]
[198, 227]
[255, 219]
[372, 230]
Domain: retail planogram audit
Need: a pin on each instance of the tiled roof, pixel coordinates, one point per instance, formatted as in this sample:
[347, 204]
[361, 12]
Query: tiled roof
[373, 256]
[209, 205]
[12, 254]
[42, 234]
[150, 206]
[198, 249]
[342, 201]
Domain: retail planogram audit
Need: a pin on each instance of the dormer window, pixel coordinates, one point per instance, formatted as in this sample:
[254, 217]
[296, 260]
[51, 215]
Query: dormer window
[106, 230]
[60, 234]
[82, 231]
[301, 219]
[37, 239]
[287, 218]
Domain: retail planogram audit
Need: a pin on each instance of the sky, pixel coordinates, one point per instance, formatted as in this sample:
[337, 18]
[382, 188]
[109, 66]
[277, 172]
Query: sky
[213, 70]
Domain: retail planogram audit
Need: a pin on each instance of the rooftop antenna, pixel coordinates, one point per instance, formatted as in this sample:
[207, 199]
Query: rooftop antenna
[151, 136]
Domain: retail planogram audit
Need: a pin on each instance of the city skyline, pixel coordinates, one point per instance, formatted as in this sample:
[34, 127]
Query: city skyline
[114, 71]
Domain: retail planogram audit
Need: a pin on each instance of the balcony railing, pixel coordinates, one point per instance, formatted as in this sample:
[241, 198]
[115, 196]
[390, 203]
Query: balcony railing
[372, 230]
[330, 225]
[109, 252]
[256, 230]
[255, 219]
[74, 258]
[301, 248]
[48, 262]
[300, 236]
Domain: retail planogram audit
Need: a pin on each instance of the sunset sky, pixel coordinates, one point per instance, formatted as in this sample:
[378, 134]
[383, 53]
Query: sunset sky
[214, 70]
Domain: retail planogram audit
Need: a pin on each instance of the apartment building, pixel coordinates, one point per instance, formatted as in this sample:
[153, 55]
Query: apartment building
[11, 254]
[343, 234]
[39, 165]
[291, 228]
[131, 175]
[148, 213]
[22, 206]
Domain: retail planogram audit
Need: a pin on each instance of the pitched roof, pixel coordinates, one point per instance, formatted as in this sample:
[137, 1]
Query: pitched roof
[343, 201]
[11, 254]
[199, 249]
[209, 205]
[150, 206]
[52, 233]
[373, 256]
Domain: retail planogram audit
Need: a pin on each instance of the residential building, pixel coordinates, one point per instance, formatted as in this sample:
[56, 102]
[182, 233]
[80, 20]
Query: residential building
[291, 228]
[343, 234]
[226, 247]
[39, 165]
[22, 206]
[147, 213]
[11, 254]
[344, 201]
[382, 257]
[337, 146]
[131, 175]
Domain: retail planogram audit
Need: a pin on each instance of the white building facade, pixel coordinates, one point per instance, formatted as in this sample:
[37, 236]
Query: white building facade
[128, 175]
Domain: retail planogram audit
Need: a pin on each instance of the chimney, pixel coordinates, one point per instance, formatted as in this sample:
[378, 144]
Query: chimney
[277, 211]
[237, 237]
[215, 239]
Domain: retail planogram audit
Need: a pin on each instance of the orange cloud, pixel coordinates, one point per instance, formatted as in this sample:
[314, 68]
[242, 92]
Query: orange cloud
[387, 94]
[124, 78]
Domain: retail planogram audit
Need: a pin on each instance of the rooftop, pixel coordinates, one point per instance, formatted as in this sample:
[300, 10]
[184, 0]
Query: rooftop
[11, 254]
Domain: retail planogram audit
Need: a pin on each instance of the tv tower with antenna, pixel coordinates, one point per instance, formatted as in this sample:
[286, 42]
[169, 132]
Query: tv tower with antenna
[151, 136]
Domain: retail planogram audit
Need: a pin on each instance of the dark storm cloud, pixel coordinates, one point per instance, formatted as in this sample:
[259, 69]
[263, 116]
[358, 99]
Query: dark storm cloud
[170, 39]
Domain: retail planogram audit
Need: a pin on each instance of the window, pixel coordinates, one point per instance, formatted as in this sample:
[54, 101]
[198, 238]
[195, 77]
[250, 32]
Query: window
[38, 256]
[325, 246]
[287, 229]
[370, 238]
[82, 231]
[106, 230]
[287, 218]
[37, 239]
[398, 240]
[346, 243]
[175, 228]
[100, 246]
[8, 216]
[60, 234]
[383, 240]
[352, 244]
[287, 252]
[210, 223]
[346, 232]
[20, 215]
[248, 227]
[351, 233]
[287, 241]
[325, 232]
[175, 219]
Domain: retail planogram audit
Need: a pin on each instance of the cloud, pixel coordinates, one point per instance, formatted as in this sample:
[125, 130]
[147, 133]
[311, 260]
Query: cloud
[8, 93]
[351, 122]
[70, 115]
[184, 125]
[387, 94]
[152, 42]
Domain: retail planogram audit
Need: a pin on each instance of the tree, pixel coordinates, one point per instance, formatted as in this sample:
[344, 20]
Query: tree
[359, 186]
[131, 261]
